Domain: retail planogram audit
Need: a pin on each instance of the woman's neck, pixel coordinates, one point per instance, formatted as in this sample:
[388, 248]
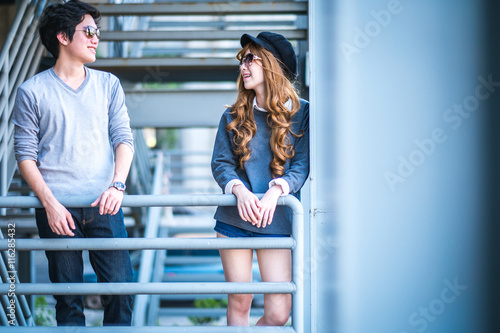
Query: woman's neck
[261, 100]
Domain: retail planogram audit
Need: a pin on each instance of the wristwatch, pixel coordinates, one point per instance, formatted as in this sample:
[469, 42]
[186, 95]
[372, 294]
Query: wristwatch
[119, 186]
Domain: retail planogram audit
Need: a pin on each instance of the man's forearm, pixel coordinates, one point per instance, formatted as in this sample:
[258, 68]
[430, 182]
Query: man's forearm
[123, 160]
[33, 177]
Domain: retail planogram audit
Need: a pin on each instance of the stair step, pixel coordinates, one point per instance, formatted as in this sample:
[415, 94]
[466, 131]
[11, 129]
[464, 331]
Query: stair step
[203, 8]
[160, 23]
[185, 63]
[203, 35]
[181, 50]
[159, 70]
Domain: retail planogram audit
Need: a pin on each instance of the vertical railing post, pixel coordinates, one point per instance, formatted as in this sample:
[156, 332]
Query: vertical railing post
[298, 262]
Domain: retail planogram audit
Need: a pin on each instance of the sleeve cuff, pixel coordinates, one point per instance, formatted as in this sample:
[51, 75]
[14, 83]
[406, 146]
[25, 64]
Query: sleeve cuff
[129, 143]
[229, 186]
[283, 183]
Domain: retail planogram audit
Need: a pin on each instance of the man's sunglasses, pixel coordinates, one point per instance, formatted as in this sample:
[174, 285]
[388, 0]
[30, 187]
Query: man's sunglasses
[90, 32]
[248, 59]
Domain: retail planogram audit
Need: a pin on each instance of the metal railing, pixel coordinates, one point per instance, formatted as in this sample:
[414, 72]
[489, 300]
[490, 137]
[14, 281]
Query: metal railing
[295, 243]
[19, 59]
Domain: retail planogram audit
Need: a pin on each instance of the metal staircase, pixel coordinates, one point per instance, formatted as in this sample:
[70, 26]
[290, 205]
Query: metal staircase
[171, 45]
[19, 60]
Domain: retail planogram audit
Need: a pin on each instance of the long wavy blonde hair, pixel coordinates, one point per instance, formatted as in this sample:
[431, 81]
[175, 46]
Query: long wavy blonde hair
[279, 90]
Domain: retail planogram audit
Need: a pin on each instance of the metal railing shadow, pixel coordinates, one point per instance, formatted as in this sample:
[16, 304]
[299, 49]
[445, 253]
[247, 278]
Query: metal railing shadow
[295, 243]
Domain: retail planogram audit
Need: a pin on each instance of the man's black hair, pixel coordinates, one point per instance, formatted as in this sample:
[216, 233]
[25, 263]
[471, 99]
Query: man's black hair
[63, 18]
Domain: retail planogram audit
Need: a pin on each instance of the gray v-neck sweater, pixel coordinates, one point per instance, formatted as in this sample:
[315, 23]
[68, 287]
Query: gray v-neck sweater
[71, 134]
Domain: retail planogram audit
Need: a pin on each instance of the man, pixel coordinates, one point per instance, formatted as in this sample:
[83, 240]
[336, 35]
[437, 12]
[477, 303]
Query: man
[73, 138]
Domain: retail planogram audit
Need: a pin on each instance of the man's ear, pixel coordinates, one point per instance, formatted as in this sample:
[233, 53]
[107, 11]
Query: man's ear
[62, 38]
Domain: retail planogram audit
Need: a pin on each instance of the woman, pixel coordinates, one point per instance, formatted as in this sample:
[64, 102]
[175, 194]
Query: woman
[262, 146]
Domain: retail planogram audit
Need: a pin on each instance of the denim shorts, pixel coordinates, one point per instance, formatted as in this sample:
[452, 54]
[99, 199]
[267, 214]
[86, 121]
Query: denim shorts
[232, 231]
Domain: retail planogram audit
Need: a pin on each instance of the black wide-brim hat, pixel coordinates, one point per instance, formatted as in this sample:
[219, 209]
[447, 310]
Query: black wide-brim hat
[279, 46]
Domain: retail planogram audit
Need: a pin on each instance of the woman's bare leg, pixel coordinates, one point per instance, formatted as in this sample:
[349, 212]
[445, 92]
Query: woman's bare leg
[237, 266]
[275, 266]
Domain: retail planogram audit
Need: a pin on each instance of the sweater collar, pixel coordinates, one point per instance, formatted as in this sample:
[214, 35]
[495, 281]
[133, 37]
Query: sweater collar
[288, 105]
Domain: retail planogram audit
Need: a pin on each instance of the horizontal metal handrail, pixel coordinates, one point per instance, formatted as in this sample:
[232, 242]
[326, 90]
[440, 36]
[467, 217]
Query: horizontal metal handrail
[148, 201]
[296, 243]
[104, 244]
[152, 288]
[148, 329]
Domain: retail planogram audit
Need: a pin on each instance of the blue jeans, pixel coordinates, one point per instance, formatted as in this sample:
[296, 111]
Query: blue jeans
[109, 266]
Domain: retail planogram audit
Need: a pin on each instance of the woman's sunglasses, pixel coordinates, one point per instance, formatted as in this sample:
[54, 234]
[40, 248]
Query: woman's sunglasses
[248, 59]
[90, 32]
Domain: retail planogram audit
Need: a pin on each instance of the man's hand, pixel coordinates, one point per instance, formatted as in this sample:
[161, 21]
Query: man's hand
[268, 205]
[248, 204]
[109, 202]
[60, 219]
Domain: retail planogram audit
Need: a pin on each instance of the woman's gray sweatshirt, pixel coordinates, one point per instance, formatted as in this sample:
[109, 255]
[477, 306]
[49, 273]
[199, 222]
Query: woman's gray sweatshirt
[257, 173]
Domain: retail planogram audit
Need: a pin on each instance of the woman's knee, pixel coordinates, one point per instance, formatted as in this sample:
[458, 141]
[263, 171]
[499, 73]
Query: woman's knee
[276, 317]
[240, 302]
[278, 312]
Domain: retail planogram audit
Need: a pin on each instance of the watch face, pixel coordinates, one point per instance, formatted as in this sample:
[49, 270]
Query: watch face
[119, 186]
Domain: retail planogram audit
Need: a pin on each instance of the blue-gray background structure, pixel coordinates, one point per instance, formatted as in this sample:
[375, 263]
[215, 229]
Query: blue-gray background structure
[405, 161]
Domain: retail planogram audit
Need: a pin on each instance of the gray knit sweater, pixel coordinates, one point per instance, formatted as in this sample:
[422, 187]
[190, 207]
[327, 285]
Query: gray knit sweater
[257, 173]
[71, 133]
